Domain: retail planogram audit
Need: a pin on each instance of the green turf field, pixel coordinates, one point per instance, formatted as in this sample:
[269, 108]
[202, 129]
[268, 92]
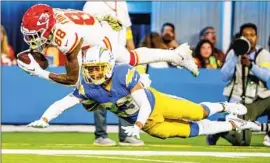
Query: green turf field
[82, 142]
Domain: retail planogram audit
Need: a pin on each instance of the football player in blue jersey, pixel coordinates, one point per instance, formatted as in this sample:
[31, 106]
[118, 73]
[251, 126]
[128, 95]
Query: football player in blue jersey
[122, 90]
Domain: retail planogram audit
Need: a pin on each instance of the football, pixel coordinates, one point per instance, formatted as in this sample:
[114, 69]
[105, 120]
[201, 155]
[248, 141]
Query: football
[39, 58]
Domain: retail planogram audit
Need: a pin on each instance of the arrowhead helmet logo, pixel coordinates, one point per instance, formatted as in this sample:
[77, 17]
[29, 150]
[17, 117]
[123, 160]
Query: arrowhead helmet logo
[43, 19]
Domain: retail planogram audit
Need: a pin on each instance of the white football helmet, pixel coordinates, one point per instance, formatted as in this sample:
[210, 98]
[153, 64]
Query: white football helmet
[97, 65]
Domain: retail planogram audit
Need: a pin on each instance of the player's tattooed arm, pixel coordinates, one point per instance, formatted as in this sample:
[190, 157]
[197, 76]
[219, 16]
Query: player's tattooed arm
[72, 68]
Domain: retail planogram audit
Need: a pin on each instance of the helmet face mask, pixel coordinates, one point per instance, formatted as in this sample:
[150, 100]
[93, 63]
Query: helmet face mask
[96, 73]
[35, 39]
[37, 25]
[97, 66]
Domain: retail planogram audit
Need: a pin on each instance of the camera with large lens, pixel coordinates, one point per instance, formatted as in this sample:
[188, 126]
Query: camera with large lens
[241, 46]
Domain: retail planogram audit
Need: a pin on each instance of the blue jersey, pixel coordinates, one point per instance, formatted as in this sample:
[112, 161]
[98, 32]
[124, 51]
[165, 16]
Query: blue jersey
[116, 96]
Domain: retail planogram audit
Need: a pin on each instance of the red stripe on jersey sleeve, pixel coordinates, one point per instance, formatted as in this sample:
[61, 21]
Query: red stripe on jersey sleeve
[133, 58]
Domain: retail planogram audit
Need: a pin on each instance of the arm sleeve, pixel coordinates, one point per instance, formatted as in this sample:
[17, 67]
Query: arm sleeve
[268, 83]
[60, 106]
[140, 97]
[228, 68]
[262, 73]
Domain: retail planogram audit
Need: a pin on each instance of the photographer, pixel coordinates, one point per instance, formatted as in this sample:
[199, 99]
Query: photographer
[253, 89]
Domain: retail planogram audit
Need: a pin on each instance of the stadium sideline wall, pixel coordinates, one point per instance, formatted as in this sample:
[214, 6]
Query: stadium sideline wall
[25, 98]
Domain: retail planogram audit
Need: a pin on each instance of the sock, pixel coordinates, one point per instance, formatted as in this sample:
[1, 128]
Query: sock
[212, 108]
[218, 116]
[207, 127]
[194, 129]
[265, 127]
[147, 55]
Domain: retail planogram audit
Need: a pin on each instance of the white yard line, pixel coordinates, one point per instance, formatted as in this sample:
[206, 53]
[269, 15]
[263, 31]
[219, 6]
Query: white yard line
[133, 159]
[64, 128]
[134, 153]
[57, 128]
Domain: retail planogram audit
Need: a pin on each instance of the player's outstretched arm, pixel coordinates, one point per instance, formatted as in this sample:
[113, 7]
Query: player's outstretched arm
[72, 68]
[139, 96]
[56, 109]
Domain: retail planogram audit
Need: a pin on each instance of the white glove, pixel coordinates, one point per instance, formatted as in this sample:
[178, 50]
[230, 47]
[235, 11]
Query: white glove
[33, 68]
[38, 124]
[132, 131]
[187, 60]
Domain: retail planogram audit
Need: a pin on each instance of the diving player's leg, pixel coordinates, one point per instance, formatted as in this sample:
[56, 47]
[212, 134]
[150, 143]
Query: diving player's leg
[159, 125]
[173, 107]
[122, 55]
[139, 56]
[184, 129]
[171, 129]
[148, 55]
[111, 42]
[142, 55]
[181, 56]
[183, 109]
[233, 108]
[206, 127]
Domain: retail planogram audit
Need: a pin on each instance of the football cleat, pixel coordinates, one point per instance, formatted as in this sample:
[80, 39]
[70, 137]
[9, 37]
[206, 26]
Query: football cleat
[234, 108]
[266, 140]
[239, 123]
[185, 58]
[254, 125]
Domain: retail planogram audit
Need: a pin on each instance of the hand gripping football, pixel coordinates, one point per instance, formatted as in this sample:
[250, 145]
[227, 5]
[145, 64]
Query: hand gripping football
[39, 58]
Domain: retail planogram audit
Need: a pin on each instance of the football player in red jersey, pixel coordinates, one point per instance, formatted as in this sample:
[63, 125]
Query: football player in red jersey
[73, 32]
